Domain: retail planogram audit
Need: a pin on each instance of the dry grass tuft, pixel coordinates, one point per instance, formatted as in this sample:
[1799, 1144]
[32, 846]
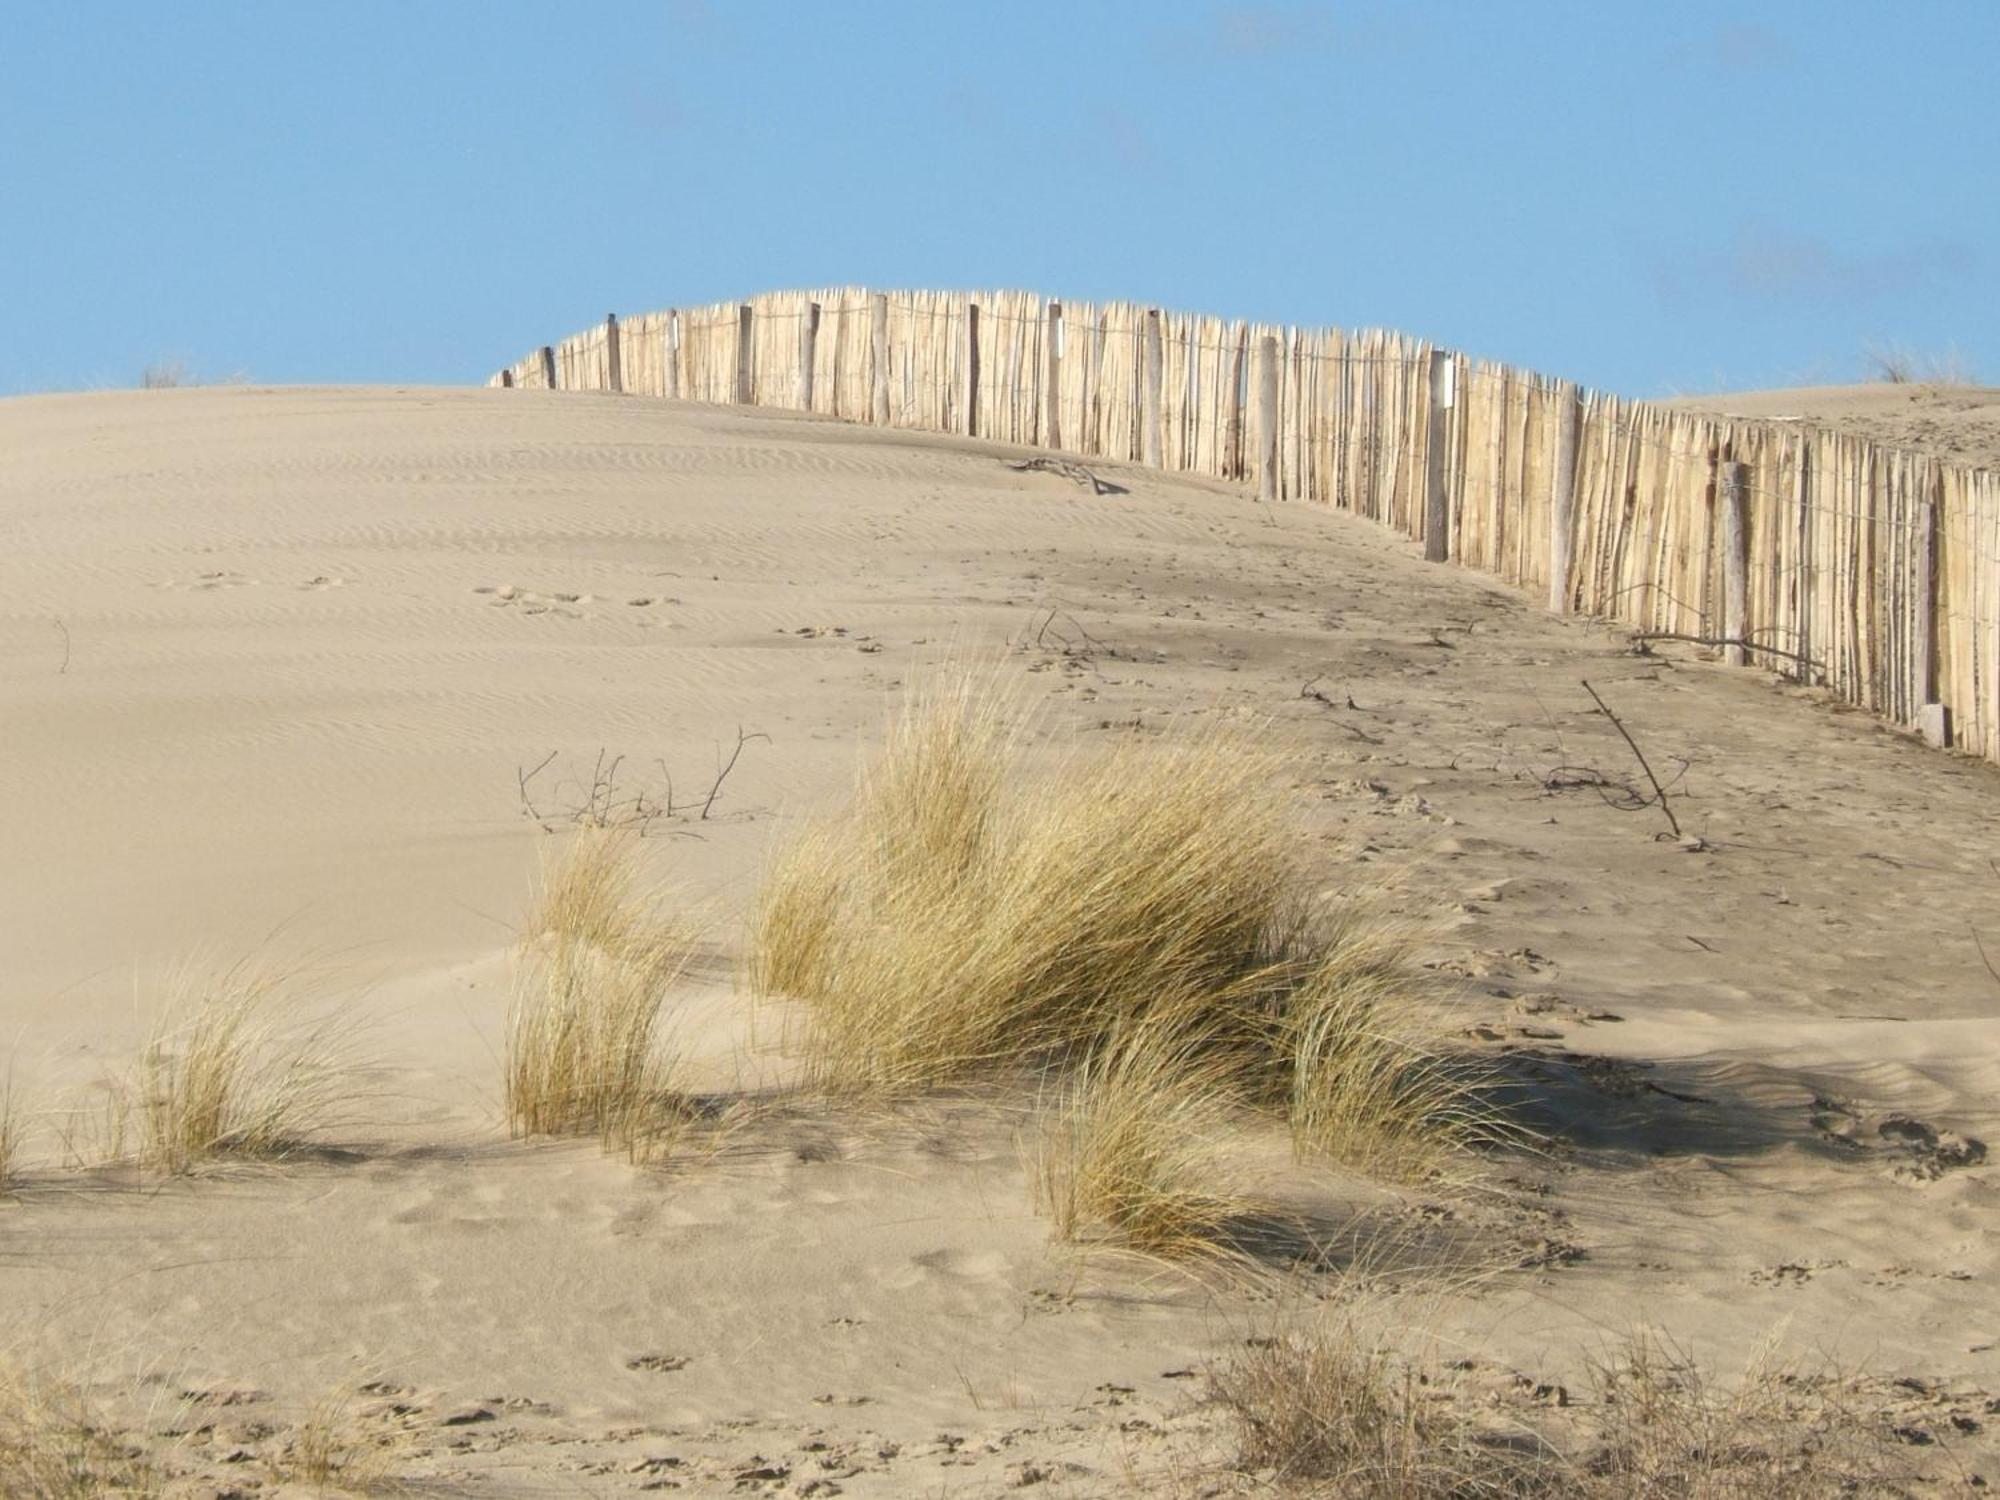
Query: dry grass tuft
[228, 1073]
[1894, 364]
[52, 1449]
[584, 1053]
[10, 1138]
[975, 912]
[963, 915]
[1336, 1412]
[1135, 1154]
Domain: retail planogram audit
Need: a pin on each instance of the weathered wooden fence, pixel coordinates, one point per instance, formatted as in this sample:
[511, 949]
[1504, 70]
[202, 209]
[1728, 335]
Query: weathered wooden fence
[1872, 571]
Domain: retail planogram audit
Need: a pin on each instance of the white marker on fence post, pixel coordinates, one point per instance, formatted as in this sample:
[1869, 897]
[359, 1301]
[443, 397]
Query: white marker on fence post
[745, 317]
[1437, 503]
[549, 366]
[972, 369]
[1732, 487]
[1267, 419]
[1562, 506]
[614, 372]
[1152, 364]
[878, 358]
[1052, 340]
[808, 333]
[670, 334]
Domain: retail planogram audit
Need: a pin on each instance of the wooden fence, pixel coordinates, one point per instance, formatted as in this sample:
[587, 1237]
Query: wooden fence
[1869, 570]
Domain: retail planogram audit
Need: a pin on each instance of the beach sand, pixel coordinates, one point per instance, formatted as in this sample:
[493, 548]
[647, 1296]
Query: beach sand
[274, 665]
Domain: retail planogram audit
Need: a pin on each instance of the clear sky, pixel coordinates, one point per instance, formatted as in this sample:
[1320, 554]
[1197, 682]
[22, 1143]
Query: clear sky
[1649, 197]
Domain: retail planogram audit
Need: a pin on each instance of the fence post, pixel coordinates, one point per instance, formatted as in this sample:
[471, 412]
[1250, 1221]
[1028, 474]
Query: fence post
[972, 369]
[670, 335]
[613, 367]
[1052, 340]
[506, 380]
[1267, 418]
[808, 333]
[1562, 507]
[1437, 503]
[1151, 377]
[549, 366]
[878, 358]
[745, 317]
[1933, 719]
[1236, 463]
[1732, 486]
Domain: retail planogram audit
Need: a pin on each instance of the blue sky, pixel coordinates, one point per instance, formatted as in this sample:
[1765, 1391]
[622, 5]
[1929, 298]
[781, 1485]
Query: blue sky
[1648, 197]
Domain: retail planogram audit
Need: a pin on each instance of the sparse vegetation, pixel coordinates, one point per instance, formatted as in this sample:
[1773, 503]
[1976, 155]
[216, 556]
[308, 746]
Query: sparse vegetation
[232, 1069]
[1335, 1411]
[1896, 365]
[164, 375]
[966, 917]
[51, 1448]
[584, 1053]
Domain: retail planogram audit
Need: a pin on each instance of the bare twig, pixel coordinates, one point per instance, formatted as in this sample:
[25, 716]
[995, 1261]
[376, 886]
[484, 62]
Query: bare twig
[64, 668]
[1308, 691]
[522, 778]
[1808, 663]
[1659, 792]
[1984, 957]
[722, 774]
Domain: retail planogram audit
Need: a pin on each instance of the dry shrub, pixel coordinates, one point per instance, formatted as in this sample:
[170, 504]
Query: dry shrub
[234, 1069]
[584, 1052]
[1335, 1412]
[51, 1448]
[1663, 1429]
[1135, 1154]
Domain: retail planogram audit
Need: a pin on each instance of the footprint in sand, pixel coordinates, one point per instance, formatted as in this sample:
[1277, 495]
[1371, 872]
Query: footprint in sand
[205, 582]
[657, 1364]
[1915, 1149]
[561, 602]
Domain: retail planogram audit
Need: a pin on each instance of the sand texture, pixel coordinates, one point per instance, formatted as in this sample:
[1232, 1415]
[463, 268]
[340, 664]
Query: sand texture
[1957, 423]
[274, 665]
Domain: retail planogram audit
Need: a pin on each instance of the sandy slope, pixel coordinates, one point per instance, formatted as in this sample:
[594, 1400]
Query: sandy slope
[1958, 423]
[272, 660]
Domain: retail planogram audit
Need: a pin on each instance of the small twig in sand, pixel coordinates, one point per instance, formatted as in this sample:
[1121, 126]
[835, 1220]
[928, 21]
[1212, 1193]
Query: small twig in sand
[722, 773]
[64, 668]
[1984, 957]
[1313, 694]
[1659, 792]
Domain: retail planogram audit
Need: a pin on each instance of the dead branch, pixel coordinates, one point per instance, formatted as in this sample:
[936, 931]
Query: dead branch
[1077, 473]
[1659, 796]
[1647, 637]
[722, 774]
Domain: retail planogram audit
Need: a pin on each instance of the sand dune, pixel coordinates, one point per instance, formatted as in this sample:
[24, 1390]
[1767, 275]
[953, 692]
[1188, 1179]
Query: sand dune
[272, 665]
